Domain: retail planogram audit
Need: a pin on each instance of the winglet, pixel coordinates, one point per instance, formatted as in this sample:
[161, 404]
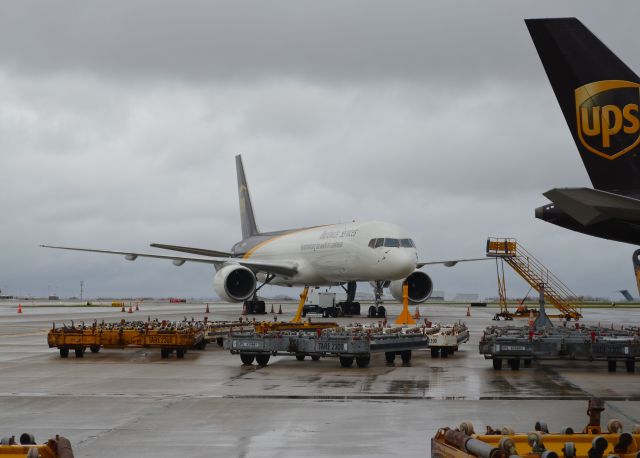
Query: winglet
[247, 219]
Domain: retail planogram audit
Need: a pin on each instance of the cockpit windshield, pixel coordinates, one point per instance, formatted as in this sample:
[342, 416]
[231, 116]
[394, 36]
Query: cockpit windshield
[391, 243]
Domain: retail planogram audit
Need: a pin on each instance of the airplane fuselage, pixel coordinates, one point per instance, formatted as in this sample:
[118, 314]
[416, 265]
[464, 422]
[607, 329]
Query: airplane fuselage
[336, 253]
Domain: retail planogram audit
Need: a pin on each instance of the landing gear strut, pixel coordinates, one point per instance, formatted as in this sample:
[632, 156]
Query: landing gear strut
[378, 310]
[350, 306]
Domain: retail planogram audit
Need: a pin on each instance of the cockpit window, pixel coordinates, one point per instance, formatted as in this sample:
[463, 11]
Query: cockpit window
[391, 243]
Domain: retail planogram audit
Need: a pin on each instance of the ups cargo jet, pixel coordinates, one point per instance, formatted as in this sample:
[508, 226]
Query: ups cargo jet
[336, 254]
[599, 97]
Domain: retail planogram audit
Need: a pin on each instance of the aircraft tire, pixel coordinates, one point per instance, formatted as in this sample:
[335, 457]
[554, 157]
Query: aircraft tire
[372, 312]
[382, 312]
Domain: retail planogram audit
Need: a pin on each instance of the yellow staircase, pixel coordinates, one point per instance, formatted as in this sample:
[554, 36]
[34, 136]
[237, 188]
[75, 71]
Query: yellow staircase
[535, 274]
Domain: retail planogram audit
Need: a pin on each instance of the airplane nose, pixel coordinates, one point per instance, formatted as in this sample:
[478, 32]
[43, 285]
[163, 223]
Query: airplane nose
[405, 261]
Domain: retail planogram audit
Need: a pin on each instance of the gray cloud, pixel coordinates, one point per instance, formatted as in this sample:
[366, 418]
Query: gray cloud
[118, 127]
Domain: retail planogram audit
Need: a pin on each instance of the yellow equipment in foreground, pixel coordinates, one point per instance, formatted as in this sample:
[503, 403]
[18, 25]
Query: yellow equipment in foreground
[60, 447]
[462, 442]
[303, 299]
[405, 316]
[125, 335]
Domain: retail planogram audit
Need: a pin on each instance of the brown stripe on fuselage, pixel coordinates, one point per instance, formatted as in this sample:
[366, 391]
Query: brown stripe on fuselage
[252, 250]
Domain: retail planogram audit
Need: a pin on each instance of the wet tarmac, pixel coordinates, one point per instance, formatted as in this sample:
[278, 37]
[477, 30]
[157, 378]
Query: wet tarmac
[133, 403]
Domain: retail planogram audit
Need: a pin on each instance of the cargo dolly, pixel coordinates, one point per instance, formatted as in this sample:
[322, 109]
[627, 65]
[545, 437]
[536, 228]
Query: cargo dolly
[517, 344]
[216, 331]
[348, 344]
[167, 336]
[448, 340]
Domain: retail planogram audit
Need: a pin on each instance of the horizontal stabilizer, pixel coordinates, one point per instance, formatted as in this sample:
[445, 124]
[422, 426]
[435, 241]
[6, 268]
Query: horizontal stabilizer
[591, 206]
[186, 249]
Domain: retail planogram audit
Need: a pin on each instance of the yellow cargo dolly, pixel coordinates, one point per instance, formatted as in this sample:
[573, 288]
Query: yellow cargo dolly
[462, 442]
[265, 327]
[94, 338]
[60, 447]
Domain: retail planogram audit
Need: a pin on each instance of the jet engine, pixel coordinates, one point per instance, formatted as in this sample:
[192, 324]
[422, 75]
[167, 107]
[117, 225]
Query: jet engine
[420, 287]
[234, 283]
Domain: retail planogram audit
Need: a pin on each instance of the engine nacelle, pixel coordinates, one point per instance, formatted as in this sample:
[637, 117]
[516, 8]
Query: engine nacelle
[420, 287]
[234, 283]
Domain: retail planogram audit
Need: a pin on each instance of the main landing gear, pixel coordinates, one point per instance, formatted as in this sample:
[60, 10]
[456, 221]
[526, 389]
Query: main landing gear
[255, 306]
[350, 306]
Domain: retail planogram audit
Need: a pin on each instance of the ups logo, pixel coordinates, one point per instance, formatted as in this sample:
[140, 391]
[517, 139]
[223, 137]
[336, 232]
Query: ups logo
[608, 121]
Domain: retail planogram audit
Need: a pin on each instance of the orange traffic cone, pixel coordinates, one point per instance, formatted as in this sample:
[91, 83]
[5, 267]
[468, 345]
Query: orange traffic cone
[19, 308]
[416, 315]
[468, 311]
[130, 309]
[123, 310]
[280, 310]
[272, 309]
[207, 309]
[137, 308]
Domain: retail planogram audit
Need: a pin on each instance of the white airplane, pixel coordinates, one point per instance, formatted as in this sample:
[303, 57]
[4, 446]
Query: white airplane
[336, 254]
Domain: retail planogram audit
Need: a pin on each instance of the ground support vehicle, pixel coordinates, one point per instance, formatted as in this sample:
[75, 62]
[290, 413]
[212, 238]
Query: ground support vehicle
[447, 341]
[349, 344]
[593, 442]
[60, 447]
[324, 304]
[217, 331]
[254, 307]
[166, 336]
[517, 344]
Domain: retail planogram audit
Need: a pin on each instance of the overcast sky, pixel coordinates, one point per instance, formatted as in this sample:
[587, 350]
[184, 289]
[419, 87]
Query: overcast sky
[119, 122]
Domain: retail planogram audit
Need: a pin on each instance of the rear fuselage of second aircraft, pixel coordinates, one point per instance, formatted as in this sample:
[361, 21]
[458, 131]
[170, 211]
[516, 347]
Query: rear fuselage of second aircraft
[335, 253]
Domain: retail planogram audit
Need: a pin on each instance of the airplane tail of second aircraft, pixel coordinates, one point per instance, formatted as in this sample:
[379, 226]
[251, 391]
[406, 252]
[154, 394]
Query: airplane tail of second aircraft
[247, 218]
[599, 96]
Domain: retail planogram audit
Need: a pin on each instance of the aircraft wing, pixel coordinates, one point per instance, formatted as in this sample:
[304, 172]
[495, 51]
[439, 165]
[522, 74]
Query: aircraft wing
[186, 249]
[279, 268]
[450, 263]
[591, 206]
